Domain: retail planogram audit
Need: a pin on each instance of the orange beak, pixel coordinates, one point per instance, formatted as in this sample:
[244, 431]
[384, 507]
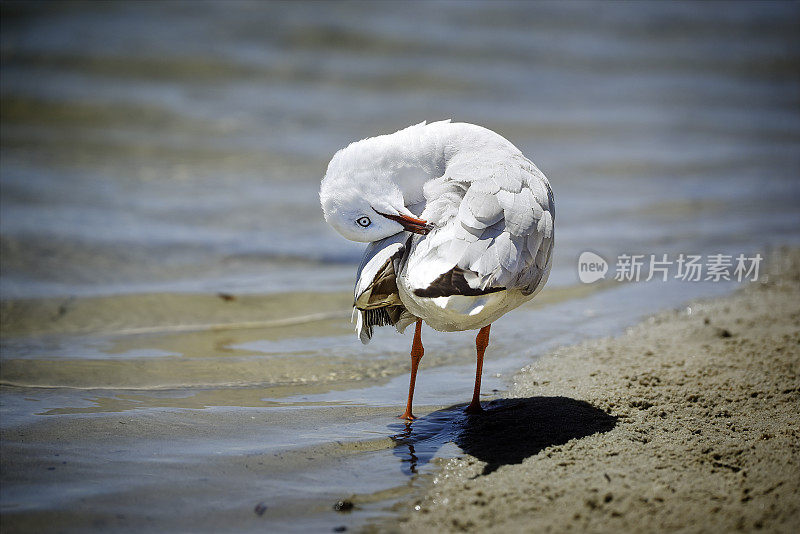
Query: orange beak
[411, 224]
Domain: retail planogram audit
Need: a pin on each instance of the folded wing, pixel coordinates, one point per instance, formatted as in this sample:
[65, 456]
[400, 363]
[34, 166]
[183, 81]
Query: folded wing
[494, 227]
[376, 301]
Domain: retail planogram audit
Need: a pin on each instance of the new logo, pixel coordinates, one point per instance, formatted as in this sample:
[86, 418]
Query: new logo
[591, 267]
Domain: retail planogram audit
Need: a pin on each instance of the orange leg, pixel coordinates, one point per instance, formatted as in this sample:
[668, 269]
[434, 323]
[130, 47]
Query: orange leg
[481, 342]
[416, 355]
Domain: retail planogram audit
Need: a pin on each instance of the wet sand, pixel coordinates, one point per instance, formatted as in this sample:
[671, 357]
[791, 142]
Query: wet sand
[689, 422]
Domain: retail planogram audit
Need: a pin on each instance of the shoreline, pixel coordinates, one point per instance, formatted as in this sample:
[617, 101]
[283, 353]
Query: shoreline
[689, 421]
[255, 443]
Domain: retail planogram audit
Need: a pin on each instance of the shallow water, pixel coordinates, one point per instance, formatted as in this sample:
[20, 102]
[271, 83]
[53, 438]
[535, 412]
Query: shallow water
[174, 306]
[193, 431]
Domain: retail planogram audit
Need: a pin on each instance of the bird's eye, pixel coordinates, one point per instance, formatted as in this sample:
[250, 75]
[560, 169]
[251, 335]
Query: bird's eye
[363, 221]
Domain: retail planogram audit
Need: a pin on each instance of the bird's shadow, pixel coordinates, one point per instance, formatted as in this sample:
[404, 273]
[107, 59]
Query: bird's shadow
[507, 432]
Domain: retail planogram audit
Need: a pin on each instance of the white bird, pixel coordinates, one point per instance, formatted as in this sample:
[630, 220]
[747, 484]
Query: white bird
[460, 226]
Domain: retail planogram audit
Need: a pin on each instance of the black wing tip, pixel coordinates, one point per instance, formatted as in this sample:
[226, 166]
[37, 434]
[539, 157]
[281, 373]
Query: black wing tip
[453, 282]
[377, 317]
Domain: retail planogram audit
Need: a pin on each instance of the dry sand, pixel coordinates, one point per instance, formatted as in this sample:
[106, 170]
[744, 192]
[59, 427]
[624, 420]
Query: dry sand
[689, 423]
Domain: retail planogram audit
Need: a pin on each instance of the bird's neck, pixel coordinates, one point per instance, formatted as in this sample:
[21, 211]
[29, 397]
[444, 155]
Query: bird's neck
[422, 152]
[408, 159]
[412, 157]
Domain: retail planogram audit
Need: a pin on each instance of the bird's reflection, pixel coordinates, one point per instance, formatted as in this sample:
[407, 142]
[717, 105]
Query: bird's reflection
[416, 442]
[403, 439]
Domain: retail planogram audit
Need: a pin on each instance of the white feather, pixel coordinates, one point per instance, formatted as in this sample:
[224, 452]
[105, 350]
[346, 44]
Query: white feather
[491, 208]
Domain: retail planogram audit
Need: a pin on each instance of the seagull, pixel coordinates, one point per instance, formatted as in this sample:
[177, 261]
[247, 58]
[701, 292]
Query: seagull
[460, 230]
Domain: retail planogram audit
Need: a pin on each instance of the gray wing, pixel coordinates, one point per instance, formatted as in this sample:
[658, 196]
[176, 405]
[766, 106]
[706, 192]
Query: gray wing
[494, 221]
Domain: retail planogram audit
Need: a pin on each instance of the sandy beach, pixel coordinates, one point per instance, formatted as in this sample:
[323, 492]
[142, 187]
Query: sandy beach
[688, 422]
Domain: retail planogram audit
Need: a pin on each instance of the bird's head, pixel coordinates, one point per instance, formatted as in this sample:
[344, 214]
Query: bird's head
[365, 204]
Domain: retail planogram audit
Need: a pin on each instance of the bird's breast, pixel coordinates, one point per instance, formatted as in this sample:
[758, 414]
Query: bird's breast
[456, 312]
